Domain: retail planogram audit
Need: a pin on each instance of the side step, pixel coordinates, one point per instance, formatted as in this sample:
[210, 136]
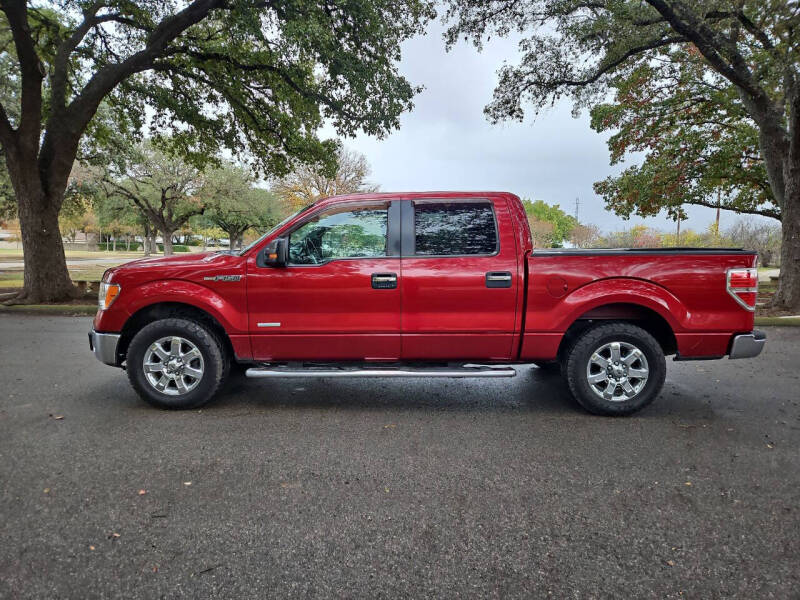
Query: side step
[467, 370]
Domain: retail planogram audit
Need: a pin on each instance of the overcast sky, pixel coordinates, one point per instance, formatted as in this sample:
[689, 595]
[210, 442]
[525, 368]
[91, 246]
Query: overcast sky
[446, 143]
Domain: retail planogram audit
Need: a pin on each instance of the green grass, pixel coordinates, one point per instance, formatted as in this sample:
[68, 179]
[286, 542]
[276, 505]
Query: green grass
[51, 309]
[778, 321]
[14, 279]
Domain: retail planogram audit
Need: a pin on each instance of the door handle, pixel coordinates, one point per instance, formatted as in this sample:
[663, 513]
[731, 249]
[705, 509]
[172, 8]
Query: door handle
[498, 279]
[384, 281]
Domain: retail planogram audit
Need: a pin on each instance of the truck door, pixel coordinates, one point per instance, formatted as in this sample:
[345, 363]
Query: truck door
[339, 296]
[460, 278]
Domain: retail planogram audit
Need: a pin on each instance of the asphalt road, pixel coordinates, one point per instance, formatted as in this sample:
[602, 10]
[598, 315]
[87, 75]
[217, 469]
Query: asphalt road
[388, 489]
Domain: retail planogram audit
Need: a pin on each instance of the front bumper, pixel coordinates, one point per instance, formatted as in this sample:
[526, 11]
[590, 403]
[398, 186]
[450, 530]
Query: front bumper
[104, 346]
[748, 345]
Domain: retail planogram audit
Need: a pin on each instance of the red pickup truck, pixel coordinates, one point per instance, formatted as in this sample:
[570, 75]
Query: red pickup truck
[439, 284]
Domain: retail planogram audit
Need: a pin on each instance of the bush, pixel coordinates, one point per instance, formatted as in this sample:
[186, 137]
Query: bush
[175, 248]
[121, 246]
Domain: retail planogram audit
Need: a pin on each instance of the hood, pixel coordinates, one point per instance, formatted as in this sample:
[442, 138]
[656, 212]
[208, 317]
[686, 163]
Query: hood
[158, 266]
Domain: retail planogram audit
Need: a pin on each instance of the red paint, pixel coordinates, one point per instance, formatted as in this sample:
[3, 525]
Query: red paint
[441, 308]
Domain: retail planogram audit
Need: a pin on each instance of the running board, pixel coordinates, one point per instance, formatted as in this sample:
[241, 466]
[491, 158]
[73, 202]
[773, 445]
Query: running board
[468, 370]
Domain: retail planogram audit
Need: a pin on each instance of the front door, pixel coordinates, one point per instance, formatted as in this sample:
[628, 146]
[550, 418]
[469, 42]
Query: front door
[339, 296]
[460, 279]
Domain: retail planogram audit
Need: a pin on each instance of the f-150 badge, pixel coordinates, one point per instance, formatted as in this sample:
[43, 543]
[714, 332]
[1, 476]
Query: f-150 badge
[223, 278]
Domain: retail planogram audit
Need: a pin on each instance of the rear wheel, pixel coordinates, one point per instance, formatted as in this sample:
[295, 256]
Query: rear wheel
[615, 369]
[176, 363]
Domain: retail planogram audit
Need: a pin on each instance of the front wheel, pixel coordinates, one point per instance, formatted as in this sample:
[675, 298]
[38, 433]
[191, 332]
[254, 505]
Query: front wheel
[615, 369]
[176, 363]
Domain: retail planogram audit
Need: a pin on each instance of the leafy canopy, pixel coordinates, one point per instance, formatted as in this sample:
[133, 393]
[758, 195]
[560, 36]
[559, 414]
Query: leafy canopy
[208, 74]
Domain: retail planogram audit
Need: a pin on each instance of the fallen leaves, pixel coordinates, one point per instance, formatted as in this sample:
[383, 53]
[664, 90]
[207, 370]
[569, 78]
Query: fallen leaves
[56, 417]
[142, 492]
[187, 483]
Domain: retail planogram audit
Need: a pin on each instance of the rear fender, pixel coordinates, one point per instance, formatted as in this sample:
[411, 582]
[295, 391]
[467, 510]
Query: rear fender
[617, 290]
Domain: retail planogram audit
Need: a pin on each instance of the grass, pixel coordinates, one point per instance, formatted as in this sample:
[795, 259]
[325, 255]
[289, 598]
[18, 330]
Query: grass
[51, 309]
[14, 279]
[778, 321]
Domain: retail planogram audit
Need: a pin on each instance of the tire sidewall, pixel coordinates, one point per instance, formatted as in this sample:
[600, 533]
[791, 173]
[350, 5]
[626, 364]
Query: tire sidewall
[594, 339]
[213, 363]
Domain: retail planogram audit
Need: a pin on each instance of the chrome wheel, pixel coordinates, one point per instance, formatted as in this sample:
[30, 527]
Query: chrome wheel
[617, 371]
[173, 365]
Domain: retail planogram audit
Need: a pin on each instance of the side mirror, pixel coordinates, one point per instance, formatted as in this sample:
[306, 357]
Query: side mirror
[274, 254]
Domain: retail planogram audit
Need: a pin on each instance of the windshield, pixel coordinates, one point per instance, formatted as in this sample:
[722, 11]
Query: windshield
[274, 229]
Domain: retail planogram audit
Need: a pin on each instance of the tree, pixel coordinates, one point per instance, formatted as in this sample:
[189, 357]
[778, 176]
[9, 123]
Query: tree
[235, 205]
[305, 184]
[164, 188]
[246, 74]
[550, 225]
[579, 49]
[764, 237]
[584, 236]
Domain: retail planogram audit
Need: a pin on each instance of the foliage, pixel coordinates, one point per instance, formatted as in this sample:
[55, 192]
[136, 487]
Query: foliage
[584, 236]
[550, 225]
[235, 204]
[203, 75]
[699, 87]
[765, 238]
[164, 189]
[305, 184]
[700, 146]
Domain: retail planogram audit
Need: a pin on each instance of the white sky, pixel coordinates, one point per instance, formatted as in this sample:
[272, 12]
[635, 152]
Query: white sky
[445, 142]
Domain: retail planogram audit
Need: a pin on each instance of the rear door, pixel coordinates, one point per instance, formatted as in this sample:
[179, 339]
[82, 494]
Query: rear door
[460, 278]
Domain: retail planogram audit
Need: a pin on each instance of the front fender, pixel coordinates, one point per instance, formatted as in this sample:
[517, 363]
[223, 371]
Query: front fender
[227, 312]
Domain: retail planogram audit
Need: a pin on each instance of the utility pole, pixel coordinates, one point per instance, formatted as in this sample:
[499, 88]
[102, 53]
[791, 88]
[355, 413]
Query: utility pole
[719, 204]
[678, 233]
[577, 207]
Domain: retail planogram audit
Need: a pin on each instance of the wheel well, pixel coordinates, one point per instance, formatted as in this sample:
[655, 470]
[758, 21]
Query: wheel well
[168, 310]
[638, 315]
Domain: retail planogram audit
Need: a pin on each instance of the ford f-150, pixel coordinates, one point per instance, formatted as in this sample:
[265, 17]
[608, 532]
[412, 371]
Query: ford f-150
[439, 284]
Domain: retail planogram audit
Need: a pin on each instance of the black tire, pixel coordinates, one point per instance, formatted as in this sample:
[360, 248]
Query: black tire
[580, 353]
[215, 362]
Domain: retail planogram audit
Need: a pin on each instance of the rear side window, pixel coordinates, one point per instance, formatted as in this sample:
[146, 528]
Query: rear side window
[454, 228]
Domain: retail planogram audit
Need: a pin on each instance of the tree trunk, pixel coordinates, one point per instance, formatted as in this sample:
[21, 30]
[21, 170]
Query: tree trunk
[787, 296]
[167, 242]
[46, 277]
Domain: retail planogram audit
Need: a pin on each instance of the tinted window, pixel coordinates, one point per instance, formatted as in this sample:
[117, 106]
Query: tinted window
[340, 233]
[447, 228]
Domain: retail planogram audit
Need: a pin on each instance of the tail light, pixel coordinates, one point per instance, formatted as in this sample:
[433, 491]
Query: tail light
[742, 285]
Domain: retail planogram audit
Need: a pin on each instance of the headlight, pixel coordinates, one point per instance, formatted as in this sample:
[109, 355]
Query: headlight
[107, 294]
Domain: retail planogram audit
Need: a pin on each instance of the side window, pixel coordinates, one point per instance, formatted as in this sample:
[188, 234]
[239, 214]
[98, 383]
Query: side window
[340, 233]
[454, 228]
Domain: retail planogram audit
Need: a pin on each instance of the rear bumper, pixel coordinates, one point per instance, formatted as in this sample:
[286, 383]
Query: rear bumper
[104, 346]
[748, 345]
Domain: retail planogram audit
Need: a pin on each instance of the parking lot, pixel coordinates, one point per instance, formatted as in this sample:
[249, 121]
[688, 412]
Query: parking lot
[394, 488]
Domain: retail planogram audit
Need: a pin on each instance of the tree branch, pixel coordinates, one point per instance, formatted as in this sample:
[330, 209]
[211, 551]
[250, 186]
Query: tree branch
[31, 71]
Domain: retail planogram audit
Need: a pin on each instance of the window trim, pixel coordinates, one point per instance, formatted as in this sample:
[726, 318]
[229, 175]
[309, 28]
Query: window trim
[392, 230]
[408, 229]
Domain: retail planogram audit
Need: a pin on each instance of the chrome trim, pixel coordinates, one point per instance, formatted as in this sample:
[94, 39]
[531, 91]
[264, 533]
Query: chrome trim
[269, 324]
[498, 277]
[748, 345]
[733, 291]
[465, 371]
[384, 278]
[104, 346]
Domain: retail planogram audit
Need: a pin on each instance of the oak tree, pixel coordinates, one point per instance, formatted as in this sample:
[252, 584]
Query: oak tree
[259, 75]
[576, 49]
